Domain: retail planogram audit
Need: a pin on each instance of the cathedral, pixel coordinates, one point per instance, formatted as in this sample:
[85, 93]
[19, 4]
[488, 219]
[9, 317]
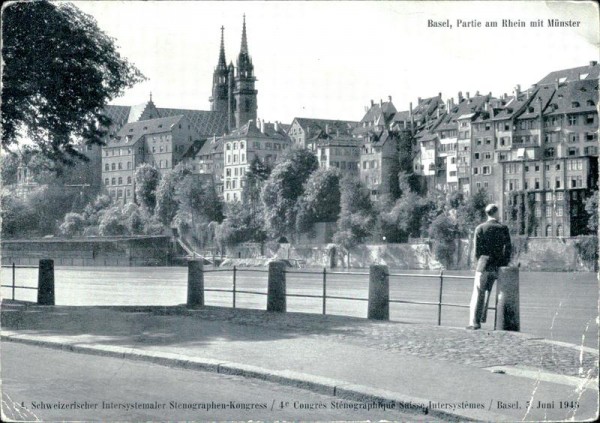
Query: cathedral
[233, 89]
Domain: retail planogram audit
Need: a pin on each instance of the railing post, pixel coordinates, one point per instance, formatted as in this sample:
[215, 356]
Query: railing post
[324, 290]
[379, 293]
[496, 309]
[13, 280]
[276, 300]
[234, 284]
[507, 309]
[195, 291]
[46, 282]
[440, 298]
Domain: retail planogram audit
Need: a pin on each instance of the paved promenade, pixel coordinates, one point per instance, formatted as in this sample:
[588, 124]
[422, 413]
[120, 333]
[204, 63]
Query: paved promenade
[450, 373]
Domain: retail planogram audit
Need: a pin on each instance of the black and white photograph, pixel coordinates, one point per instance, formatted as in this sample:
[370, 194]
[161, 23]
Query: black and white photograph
[299, 211]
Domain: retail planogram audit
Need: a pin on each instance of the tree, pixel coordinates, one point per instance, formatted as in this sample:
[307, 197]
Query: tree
[405, 218]
[283, 188]
[60, 70]
[147, 179]
[320, 201]
[591, 207]
[357, 214]
[73, 224]
[472, 212]
[166, 201]
[443, 234]
[9, 165]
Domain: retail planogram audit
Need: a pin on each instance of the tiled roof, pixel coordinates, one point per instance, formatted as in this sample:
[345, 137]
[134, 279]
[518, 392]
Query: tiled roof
[207, 123]
[117, 114]
[581, 94]
[316, 125]
[402, 116]
[589, 72]
[138, 129]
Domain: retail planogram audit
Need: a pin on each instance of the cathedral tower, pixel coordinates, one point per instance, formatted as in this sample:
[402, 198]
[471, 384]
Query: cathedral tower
[220, 96]
[244, 94]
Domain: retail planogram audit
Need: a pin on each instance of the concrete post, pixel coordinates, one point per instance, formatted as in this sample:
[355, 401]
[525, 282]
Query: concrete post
[195, 292]
[379, 293]
[276, 290]
[46, 282]
[508, 299]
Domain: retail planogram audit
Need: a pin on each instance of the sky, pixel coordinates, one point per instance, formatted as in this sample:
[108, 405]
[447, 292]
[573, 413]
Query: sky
[329, 59]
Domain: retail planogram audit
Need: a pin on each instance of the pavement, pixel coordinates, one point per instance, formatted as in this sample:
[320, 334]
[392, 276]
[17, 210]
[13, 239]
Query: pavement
[446, 373]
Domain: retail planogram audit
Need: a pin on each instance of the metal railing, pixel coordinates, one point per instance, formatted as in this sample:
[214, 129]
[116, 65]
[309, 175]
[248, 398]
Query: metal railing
[324, 296]
[440, 304]
[234, 291]
[14, 285]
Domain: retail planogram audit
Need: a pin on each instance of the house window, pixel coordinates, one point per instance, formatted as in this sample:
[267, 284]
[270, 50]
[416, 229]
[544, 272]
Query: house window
[589, 119]
[476, 156]
[114, 181]
[548, 211]
[106, 181]
[572, 120]
[120, 165]
[129, 179]
[113, 166]
[106, 166]
[486, 170]
[537, 183]
[557, 182]
[120, 180]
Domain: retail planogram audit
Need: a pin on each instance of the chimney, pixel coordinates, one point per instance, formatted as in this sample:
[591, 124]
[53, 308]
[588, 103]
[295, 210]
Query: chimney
[418, 100]
[380, 103]
[593, 63]
[468, 96]
[390, 98]
[517, 90]
[372, 103]
[262, 126]
[410, 112]
[486, 106]
[440, 95]
[460, 97]
[477, 93]
[276, 126]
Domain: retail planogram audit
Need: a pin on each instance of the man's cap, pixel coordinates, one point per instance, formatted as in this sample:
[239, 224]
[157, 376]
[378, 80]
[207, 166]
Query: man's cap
[491, 209]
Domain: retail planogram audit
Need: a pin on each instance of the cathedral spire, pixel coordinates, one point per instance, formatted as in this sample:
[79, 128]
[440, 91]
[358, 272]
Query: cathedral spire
[244, 49]
[222, 61]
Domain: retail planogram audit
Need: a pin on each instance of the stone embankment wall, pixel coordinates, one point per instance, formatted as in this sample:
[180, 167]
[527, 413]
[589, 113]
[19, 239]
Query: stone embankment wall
[109, 251]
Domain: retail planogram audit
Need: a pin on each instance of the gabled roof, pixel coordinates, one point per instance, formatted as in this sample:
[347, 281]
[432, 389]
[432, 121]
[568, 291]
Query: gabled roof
[381, 113]
[137, 130]
[539, 102]
[251, 130]
[589, 72]
[117, 114]
[194, 149]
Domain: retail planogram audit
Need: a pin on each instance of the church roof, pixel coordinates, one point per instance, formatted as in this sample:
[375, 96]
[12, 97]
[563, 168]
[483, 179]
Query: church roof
[316, 125]
[207, 123]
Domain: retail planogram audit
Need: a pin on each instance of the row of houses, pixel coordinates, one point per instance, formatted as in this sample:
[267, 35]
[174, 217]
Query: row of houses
[534, 151]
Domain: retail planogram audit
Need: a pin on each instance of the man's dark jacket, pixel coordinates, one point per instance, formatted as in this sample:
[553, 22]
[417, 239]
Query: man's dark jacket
[493, 239]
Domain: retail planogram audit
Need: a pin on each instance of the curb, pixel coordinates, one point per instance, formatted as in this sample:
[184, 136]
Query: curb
[332, 387]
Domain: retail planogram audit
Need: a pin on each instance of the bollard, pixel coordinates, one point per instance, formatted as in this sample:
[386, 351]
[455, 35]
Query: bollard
[276, 290]
[507, 311]
[46, 282]
[195, 293]
[379, 293]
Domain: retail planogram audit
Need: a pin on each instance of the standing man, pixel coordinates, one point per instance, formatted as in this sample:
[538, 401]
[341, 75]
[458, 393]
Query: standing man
[492, 250]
